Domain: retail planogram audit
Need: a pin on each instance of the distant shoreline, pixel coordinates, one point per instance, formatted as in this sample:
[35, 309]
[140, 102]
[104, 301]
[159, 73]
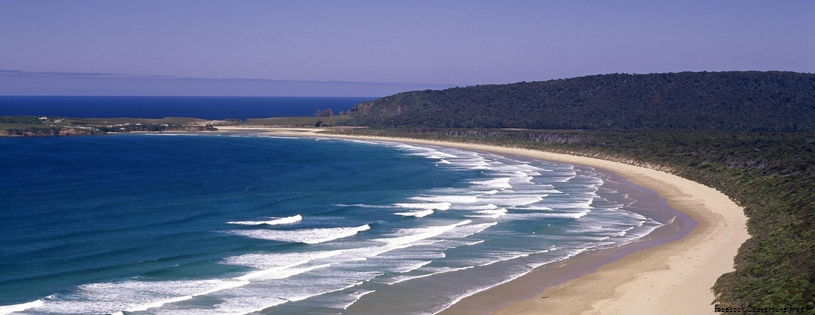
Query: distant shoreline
[673, 278]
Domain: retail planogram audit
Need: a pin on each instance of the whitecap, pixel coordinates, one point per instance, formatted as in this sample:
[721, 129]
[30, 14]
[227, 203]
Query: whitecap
[407, 236]
[132, 296]
[436, 271]
[8, 309]
[560, 215]
[278, 221]
[426, 206]
[489, 213]
[495, 183]
[307, 236]
[418, 214]
[278, 260]
[448, 198]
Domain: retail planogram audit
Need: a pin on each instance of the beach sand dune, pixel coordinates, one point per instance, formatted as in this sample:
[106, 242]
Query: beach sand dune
[673, 278]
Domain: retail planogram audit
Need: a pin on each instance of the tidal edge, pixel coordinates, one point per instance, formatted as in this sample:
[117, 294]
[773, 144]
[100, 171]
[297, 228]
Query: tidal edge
[671, 278]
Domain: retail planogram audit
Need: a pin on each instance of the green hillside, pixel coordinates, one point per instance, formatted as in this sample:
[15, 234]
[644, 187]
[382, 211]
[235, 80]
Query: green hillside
[750, 135]
[739, 101]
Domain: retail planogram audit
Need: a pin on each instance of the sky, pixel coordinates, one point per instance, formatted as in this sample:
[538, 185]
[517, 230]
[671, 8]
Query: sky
[375, 48]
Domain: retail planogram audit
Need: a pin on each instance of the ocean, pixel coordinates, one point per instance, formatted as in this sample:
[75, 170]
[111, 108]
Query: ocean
[239, 224]
[173, 106]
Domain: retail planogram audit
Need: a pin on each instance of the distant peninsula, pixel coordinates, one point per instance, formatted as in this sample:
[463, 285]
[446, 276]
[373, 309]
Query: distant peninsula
[39, 126]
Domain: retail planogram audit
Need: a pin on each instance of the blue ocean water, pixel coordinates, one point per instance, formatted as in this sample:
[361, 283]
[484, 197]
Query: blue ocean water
[238, 224]
[172, 106]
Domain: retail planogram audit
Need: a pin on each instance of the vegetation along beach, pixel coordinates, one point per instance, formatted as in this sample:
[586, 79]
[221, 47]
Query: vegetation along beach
[689, 265]
[413, 157]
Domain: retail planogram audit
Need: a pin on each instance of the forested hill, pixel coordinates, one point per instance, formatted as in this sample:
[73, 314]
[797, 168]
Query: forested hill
[739, 101]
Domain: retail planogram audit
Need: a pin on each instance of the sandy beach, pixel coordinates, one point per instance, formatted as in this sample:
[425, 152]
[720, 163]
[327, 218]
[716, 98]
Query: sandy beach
[672, 278]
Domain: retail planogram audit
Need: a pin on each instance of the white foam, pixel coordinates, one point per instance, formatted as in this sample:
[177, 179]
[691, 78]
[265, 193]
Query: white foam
[130, 296]
[468, 230]
[571, 205]
[622, 233]
[511, 200]
[278, 273]
[476, 163]
[495, 183]
[427, 152]
[477, 207]
[533, 209]
[259, 298]
[448, 198]
[561, 179]
[418, 214]
[417, 234]
[410, 265]
[307, 236]
[426, 205]
[561, 215]
[278, 260]
[362, 141]
[509, 257]
[490, 213]
[403, 278]
[508, 279]
[237, 305]
[8, 309]
[356, 296]
[286, 220]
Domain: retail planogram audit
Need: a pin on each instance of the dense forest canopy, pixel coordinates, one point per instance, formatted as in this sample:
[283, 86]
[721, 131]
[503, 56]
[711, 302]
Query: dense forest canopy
[738, 101]
[750, 135]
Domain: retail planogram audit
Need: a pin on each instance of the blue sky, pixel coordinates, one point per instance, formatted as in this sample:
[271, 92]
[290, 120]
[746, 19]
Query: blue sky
[124, 47]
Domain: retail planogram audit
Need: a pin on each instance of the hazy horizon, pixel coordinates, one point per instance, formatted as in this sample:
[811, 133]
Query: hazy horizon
[365, 48]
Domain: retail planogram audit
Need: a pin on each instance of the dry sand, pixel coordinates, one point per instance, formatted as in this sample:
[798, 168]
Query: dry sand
[674, 278]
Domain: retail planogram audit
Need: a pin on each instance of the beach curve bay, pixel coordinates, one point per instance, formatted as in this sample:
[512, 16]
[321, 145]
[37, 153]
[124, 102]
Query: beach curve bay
[257, 239]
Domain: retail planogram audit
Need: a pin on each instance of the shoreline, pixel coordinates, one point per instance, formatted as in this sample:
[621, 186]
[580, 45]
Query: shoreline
[670, 278]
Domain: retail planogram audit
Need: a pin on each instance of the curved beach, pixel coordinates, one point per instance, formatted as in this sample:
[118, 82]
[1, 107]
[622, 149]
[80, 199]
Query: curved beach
[673, 278]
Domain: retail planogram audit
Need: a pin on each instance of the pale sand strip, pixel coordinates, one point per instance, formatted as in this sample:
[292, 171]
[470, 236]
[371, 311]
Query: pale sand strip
[673, 278]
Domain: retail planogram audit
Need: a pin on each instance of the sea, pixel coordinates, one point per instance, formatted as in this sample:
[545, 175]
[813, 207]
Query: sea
[257, 224]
